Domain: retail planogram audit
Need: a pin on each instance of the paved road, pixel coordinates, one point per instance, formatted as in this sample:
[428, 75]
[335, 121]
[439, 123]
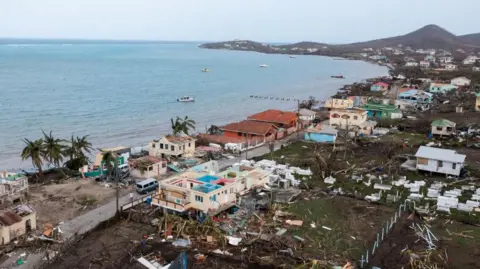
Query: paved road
[91, 219]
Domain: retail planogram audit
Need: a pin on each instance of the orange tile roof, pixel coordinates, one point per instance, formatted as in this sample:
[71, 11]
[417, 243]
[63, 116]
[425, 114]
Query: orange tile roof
[251, 127]
[274, 116]
[220, 139]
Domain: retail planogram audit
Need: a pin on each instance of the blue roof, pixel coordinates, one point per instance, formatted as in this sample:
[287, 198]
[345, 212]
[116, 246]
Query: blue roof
[207, 178]
[206, 188]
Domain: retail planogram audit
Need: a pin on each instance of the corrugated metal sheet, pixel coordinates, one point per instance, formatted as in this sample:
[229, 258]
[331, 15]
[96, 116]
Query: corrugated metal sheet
[440, 154]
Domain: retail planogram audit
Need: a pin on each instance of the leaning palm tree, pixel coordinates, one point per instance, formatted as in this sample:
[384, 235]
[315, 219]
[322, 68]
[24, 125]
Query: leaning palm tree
[187, 125]
[214, 129]
[53, 149]
[110, 160]
[82, 145]
[176, 126]
[34, 151]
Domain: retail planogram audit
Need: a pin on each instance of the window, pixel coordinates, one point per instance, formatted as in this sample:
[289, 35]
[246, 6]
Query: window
[449, 129]
[440, 164]
[199, 198]
[422, 161]
[239, 134]
[172, 148]
[188, 144]
[161, 145]
[153, 145]
[191, 185]
[439, 128]
[454, 166]
[355, 117]
[231, 190]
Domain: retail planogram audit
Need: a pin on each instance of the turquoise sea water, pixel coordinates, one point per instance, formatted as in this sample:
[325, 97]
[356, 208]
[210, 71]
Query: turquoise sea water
[125, 94]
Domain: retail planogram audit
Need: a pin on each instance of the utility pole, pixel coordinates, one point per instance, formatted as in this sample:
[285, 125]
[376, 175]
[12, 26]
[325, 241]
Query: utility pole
[246, 150]
[298, 115]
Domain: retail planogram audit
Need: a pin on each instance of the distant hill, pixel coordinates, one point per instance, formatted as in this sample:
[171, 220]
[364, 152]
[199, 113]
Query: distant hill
[430, 36]
[473, 39]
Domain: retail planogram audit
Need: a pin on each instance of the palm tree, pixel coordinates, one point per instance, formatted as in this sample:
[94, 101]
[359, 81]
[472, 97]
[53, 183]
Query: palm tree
[110, 160]
[214, 129]
[187, 124]
[53, 149]
[176, 126]
[182, 125]
[82, 145]
[34, 151]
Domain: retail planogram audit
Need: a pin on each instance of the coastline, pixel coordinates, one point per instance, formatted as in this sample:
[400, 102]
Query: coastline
[327, 86]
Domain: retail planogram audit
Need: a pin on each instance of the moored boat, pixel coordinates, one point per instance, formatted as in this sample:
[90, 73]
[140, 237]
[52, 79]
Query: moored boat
[185, 99]
[264, 65]
[340, 76]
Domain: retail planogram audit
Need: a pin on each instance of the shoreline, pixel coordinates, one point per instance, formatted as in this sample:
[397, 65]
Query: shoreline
[14, 162]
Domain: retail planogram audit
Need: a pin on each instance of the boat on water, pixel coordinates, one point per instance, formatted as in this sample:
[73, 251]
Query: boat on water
[186, 99]
[205, 70]
[339, 76]
[291, 56]
[264, 65]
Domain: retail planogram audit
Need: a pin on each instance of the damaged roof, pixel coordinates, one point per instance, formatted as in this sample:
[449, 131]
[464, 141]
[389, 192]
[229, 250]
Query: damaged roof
[443, 122]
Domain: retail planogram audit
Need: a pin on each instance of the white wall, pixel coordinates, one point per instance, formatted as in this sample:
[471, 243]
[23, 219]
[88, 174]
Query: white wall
[447, 167]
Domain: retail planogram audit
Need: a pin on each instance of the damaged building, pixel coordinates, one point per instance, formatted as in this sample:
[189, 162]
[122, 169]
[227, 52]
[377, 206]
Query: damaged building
[17, 222]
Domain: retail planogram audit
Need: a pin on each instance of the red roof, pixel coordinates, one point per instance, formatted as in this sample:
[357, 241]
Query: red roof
[275, 116]
[383, 84]
[251, 127]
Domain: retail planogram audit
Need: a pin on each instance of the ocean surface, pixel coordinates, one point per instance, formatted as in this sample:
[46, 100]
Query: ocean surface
[125, 94]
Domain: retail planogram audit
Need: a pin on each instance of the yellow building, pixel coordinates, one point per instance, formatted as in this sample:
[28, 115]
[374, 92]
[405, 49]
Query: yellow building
[354, 120]
[335, 103]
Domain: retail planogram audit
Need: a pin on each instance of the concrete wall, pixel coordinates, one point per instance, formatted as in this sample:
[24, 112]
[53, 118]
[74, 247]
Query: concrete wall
[433, 166]
[320, 137]
[153, 170]
[9, 233]
[338, 103]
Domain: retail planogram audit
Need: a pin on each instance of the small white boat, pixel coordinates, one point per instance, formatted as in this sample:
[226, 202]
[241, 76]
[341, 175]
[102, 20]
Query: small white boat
[291, 56]
[264, 65]
[205, 70]
[186, 99]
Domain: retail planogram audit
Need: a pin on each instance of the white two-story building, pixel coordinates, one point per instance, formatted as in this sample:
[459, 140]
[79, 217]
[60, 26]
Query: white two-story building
[172, 146]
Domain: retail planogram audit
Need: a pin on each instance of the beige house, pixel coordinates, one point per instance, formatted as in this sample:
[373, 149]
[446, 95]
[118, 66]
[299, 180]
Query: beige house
[443, 127]
[355, 120]
[334, 103]
[17, 222]
[477, 102]
[205, 192]
[13, 187]
[172, 146]
[147, 167]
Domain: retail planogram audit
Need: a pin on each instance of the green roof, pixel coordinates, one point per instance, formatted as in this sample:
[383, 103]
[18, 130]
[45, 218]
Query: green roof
[382, 107]
[443, 122]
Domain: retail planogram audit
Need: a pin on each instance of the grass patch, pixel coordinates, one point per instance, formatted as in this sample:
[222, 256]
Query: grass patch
[353, 225]
[299, 153]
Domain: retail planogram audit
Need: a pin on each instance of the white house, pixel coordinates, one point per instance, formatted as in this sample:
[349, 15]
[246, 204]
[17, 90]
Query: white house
[471, 59]
[443, 127]
[460, 81]
[445, 60]
[475, 68]
[424, 64]
[172, 146]
[411, 64]
[437, 160]
[306, 116]
[450, 67]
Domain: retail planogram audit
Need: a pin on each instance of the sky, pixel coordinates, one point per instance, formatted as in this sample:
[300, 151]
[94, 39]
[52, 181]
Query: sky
[339, 21]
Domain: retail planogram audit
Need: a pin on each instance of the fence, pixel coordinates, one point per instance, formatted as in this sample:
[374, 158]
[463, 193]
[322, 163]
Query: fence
[383, 233]
[135, 202]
